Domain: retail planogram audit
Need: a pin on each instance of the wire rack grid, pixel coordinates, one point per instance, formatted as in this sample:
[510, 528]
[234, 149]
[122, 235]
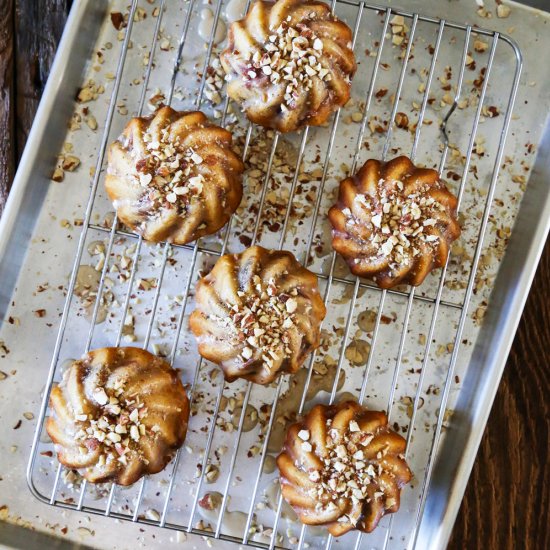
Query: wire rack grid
[270, 536]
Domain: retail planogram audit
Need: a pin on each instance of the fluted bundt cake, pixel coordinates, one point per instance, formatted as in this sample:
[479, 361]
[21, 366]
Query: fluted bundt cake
[343, 468]
[394, 222]
[118, 414]
[173, 176]
[258, 314]
[289, 63]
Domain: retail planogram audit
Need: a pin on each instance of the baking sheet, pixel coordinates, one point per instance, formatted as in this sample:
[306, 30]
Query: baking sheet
[31, 332]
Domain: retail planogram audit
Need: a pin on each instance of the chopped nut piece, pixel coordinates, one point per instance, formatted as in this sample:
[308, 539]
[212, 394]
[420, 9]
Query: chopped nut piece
[152, 515]
[100, 396]
[291, 305]
[503, 11]
[58, 174]
[70, 163]
[117, 19]
[397, 40]
[91, 122]
[397, 20]
[480, 46]
[212, 473]
[401, 120]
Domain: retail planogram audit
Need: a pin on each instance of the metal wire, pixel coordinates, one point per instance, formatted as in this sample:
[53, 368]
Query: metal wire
[385, 149]
[80, 248]
[471, 281]
[442, 276]
[198, 248]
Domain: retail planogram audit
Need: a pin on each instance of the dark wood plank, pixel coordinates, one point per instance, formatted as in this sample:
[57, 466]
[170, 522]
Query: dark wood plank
[7, 106]
[506, 505]
[38, 28]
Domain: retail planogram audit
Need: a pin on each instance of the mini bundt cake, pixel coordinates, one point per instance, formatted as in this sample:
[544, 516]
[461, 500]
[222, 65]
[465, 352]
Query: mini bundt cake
[343, 468]
[258, 314]
[173, 176]
[289, 63]
[118, 414]
[394, 222]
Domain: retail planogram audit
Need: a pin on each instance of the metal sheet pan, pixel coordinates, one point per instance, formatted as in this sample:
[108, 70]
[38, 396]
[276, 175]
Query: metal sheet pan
[30, 203]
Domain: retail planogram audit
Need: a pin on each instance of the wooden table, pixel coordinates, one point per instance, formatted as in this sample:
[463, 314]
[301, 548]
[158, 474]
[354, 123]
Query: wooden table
[506, 505]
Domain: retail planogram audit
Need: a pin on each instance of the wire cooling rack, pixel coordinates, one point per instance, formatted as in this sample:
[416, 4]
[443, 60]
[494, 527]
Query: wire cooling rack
[227, 461]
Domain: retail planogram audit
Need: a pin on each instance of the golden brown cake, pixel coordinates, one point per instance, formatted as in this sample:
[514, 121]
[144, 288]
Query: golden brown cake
[258, 314]
[394, 222]
[173, 176]
[289, 63]
[118, 414]
[343, 468]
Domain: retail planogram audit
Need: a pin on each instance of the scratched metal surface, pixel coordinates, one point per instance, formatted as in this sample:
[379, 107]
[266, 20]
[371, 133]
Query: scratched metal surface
[398, 322]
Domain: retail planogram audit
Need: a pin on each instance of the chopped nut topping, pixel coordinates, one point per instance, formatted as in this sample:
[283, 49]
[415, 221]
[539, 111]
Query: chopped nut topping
[346, 473]
[290, 57]
[168, 174]
[401, 224]
[100, 396]
[291, 305]
[115, 428]
[261, 322]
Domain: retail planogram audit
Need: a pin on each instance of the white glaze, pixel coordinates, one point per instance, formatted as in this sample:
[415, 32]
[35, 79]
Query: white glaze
[206, 24]
[234, 10]
[234, 523]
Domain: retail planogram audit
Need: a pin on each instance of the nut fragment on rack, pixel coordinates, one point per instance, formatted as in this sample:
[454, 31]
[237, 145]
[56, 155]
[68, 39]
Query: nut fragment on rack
[90, 92]
[118, 20]
[214, 82]
[174, 176]
[289, 63]
[503, 11]
[258, 314]
[91, 122]
[212, 472]
[70, 163]
[140, 14]
[480, 46]
[58, 174]
[349, 473]
[399, 30]
[483, 12]
[76, 122]
[118, 414]
[490, 111]
[401, 120]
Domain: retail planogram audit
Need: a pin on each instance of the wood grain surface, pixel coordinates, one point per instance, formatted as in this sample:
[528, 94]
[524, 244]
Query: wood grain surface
[7, 98]
[506, 505]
